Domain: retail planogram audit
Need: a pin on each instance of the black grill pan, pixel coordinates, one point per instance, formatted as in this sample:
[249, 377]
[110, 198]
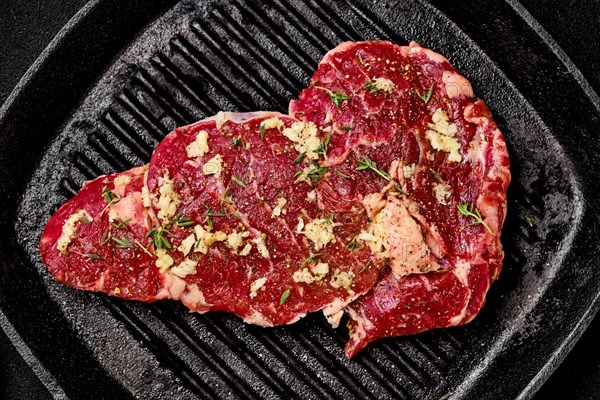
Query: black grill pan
[121, 75]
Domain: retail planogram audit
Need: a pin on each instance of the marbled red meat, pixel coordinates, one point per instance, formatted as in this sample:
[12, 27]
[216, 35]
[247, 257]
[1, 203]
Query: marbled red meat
[237, 203]
[391, 124]
[382, 194]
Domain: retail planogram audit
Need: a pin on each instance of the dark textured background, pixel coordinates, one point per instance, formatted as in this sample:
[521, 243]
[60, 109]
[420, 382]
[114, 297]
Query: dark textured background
[27, 27]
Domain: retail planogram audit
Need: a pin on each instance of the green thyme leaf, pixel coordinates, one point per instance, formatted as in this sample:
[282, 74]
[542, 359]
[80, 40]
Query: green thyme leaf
[370, 86]
[122, 243]
[284, 296]
[238, 181]
[299, 159]
[426, 96]
[341, 174]
[471, 211]
[336, 97]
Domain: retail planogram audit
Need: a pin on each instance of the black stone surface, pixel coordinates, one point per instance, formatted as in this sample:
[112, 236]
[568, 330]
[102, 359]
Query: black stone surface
[27, 27]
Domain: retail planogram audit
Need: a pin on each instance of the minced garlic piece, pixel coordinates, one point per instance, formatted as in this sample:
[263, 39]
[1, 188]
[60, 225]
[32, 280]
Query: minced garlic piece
[185, 268]
[168, 201]
[278, 209]
[300, 225]
[441, 135]
[320, 269]
[163, 260]
[68, 229]
[221, 119]
[320, 232]
[261, 246]
[409, 170]
[316, 273]
[205, 238]
[383, 84]
[303, 276]
[270, 123]
[187, 244]
[304, 134]
[198, 147]
[246, 250]
[442, 192]
[342, 279]
[311, 196]
[376, 235]
[256, 285]
[122, 180]
[235, 240]
[213, 166]
[146, 202]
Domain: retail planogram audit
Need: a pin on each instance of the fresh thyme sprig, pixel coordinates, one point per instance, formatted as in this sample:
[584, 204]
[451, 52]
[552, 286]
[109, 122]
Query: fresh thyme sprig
[314, 174]
[437, 176]
[262, 131]
[365, 267]
[367, 163]
[341, 174]
[336, 97]
[324, 145]
[158, 238]
[299, 159]
[470, 211]
[311, 258]
[180, 222]
[122, 243]
[370, 86]
[121, 224]
[109, 196]
[238, 142]
[352, 244]
[426, 96]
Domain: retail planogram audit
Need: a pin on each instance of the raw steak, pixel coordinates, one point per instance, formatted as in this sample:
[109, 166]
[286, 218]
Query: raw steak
[414, 116]
[382, 194]
[216, 226]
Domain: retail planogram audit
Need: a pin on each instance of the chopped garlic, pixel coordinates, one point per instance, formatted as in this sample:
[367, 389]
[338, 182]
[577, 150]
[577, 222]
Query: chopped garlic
[278, 209]
[122, 180]
[300, 225]
[256, 285]
[342, 279]
[442, 135]
[304, 134]
[146, 202]
[246, 250]
[186, 244]
[261, 246]
[163, 260]
[69, 229]
[442, 192]
[320, 232]
[235, 240]
[169, 200]
[303, 276]
[185, 268]
[384, 84]
[321, 269]
[221, 119]
[273, 122]
[311, 196]
[409, 170]
[198, 147]
[205, 238]
[376, 235]
[213, 166]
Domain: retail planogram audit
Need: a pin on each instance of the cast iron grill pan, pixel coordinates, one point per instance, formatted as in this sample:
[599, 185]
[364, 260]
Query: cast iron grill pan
[194, 59]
